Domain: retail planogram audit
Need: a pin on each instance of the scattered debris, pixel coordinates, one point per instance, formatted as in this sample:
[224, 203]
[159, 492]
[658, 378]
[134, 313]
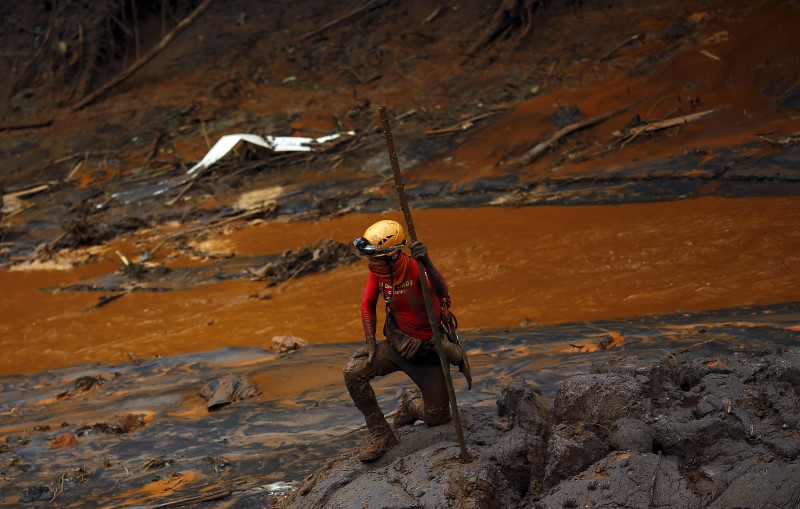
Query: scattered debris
[141, 271]
[82, 385]
[542, 147]
[155, 463]
[320, 257]
[265, 211]
[783, 141]
[119, 424]
[75, 475]
[274, 143]
[217, 462]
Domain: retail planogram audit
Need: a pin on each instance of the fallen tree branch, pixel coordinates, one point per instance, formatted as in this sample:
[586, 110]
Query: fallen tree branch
[267, 208]
[624, 137]
[31, 190]
[781, 142]
[531, 155]
[696, 345]
[664, 124]
[105, 299]
[619, 46]
[192, 181]
[29, 125]
[196, 499]
[127, 73]
[365, 7]
[463, 125]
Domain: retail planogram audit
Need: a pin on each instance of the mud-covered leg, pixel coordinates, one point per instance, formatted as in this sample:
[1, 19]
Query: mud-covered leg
[411, 409]
[433, 399]
[357, 375]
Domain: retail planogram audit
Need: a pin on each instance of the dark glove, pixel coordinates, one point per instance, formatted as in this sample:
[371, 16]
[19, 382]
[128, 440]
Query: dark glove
[419, 251]
[368, 350]
[409, 346]
[464, 369]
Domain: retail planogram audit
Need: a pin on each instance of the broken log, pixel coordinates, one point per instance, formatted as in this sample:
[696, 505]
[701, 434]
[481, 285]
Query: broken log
[531, 155]
[463, 125]
[27, 125]
[365, 7]
[196, 499]
[664, 124]
[619, 46]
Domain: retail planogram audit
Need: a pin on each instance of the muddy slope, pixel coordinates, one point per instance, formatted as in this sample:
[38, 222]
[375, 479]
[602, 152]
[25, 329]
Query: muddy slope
[714, 432]
[623, 211]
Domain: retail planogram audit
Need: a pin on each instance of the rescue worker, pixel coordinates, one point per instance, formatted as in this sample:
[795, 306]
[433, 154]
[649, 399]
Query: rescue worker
[394, 275]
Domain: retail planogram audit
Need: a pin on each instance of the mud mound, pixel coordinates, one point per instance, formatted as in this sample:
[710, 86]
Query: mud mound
[320, 257]
[709, 432]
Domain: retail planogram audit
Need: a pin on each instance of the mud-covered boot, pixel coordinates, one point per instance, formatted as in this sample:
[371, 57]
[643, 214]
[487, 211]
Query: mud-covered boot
[378, 444]
[410, 409]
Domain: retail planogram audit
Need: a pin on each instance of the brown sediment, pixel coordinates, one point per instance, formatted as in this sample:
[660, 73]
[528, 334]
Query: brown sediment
[512, 271]
[503, 265]
[161, 487]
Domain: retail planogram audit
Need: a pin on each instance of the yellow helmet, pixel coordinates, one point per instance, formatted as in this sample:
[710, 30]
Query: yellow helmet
[383, 238]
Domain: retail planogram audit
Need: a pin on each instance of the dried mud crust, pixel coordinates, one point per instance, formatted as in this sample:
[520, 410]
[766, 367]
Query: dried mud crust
[710, 432]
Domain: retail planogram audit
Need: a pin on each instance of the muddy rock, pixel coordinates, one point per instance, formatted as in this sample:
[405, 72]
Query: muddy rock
[525, 407]
[569, 452]
[62, 441]
[632, 435]
[599, 399]
[284, 344]
[228, 389]
[625, 480]
[724, 437]
[35, 494]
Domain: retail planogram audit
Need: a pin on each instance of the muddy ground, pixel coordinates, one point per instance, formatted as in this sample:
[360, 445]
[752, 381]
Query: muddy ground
[575, 167]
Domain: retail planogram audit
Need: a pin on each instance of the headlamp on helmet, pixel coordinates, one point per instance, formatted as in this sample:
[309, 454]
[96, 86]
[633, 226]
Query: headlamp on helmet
[383, 238]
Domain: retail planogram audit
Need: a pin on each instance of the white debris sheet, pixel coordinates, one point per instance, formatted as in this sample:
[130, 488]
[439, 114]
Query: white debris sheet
[275, 143]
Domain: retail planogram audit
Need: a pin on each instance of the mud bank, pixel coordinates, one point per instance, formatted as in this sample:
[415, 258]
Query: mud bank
[715, 432]
[141, 433]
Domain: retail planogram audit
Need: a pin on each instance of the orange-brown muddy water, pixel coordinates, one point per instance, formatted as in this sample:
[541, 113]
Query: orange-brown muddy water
[616, 225]
[507, 267]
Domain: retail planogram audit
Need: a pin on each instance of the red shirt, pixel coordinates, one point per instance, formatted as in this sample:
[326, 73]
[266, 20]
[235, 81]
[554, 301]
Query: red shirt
[408, 306]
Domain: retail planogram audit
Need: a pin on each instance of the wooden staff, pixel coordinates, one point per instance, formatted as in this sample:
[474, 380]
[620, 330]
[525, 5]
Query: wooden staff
[426, 293]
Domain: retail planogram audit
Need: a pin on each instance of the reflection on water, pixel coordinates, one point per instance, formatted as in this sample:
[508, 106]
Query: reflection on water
[302, 417]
